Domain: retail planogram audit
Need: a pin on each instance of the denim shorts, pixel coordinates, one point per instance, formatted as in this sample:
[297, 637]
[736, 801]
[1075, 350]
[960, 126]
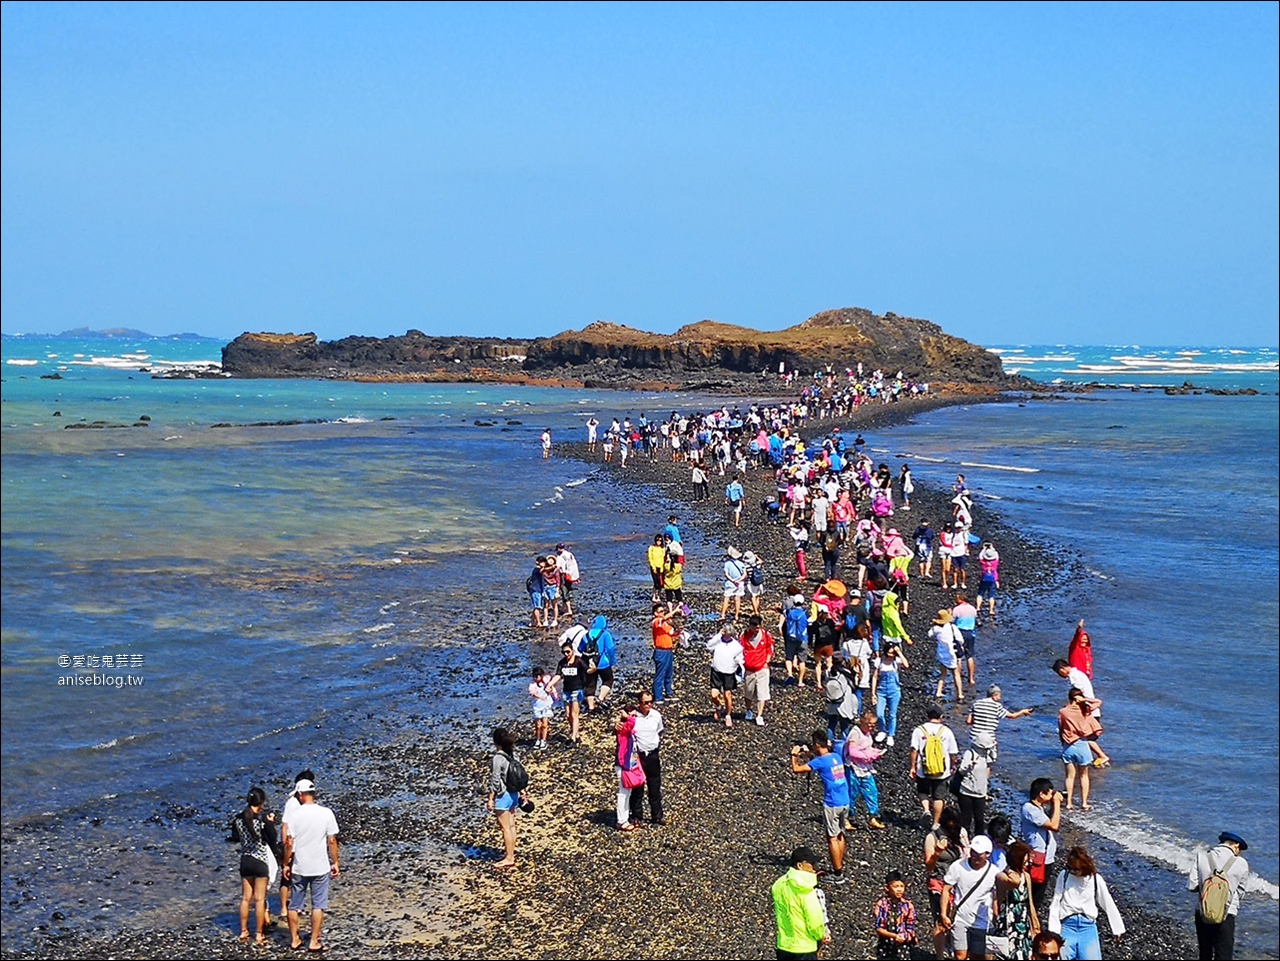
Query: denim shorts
[550, 594]
[505, 802]
[1077, 754]
[319, 887]
[575, 697]
[535, 600]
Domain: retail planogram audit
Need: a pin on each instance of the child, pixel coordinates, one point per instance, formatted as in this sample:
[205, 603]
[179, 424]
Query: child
[543, 691]
[895, 920]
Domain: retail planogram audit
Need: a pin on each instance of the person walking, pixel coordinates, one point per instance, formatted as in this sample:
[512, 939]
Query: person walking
[967, 899]
[1079, 894]
[1017, 922]
[726, 661]
[886, 689]
[757, 654]
[933, 757]
[798, 908]
[648, 729]
[310, 860]
[735, 582]
[945, 637]
[1218, 877]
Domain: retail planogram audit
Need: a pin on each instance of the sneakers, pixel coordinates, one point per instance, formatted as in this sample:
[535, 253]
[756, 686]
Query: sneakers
[728, 720]
[837, 877]
[759, 721]
[750, 715]
[888, 742]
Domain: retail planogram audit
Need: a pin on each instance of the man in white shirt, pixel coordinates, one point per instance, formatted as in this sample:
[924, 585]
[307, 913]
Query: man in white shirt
[570, 575]
[1078, 679]
[726, 662]
[1217, 941]
[310, 859]
[930, 785]
[648, 734]
[967, 888]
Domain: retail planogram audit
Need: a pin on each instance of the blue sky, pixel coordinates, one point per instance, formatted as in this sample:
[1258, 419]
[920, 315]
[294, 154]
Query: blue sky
[1018, 173]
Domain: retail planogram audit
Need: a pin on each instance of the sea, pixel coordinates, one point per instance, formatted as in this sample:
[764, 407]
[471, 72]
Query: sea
[207, 579]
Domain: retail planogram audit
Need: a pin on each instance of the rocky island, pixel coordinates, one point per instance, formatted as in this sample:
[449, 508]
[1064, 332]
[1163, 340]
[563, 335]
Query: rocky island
[703, 355]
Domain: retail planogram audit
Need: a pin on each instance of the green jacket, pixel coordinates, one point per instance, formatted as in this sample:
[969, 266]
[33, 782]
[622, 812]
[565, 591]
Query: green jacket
[799, 912]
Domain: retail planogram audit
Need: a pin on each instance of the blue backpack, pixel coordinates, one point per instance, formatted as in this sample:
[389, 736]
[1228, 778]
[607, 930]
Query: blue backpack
[796, 625]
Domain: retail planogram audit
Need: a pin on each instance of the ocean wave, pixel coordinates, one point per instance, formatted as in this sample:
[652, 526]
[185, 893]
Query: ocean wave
[1047, 358]
[1138, 833]
[22, 362]
[1020, 470]
[378, 628]
[927, 460]
[576, 483]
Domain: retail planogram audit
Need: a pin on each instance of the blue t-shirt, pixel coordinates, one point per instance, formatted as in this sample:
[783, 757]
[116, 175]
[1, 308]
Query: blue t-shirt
[734, 492]
[835, 785]
[673, 532]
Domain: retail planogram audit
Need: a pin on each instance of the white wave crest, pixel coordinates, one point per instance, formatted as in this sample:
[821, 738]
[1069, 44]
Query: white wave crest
[378, 628]
[1020, 470]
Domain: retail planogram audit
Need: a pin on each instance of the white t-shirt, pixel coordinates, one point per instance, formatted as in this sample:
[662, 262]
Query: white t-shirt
[1078, 678]
[310, 826]
[726, 656]
[859, 648]
[963, 878]
[949, 746]
[647, 730]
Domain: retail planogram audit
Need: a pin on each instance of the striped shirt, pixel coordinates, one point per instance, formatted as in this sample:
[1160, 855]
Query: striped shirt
[987, 714]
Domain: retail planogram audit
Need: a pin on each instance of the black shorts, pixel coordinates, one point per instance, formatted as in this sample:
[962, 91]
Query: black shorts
[720, 681]
[792, 648]
[933, 788]
[677, 595]
[251, 867]
[970, 642]
[606, 675]
[935, 905]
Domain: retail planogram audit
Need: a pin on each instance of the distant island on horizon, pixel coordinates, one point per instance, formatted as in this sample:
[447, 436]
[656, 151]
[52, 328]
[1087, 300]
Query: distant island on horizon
[115, 333]
[706, 354]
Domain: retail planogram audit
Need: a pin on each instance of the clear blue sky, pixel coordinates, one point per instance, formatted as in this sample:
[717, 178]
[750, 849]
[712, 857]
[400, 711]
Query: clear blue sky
[1041, 173]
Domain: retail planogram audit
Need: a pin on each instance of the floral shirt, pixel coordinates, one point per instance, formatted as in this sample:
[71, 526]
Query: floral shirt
[899, 917]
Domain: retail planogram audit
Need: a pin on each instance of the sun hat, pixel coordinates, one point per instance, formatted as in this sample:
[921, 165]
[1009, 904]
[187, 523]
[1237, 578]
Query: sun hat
[944, 617]
[835, 588]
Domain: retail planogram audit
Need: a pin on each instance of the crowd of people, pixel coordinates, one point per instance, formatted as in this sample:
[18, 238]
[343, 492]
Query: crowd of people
[985, 875]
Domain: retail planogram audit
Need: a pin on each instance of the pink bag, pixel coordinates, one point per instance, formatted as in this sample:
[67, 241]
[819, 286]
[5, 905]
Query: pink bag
[633, 777]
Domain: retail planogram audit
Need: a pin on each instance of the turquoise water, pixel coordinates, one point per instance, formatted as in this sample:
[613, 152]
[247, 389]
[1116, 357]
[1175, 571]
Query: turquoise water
[1224, 368]
[267, 583]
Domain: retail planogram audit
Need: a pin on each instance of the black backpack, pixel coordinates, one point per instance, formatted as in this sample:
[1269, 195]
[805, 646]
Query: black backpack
[517, 777]
[757, 575]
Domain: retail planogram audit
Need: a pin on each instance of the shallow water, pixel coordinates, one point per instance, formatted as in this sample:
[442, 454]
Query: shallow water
[1170, 503]
[285, 587]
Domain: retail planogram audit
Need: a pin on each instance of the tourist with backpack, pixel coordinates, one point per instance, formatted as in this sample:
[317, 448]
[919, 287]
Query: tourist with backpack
[507, 783]
[1079, 894]
[755, 579]
[1217, 878]
[794, 624]
[933, 757]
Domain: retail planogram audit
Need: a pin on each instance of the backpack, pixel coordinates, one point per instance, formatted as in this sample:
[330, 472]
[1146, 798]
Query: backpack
[590, 645]
[850, 618]
[934, 754]
[797, 624]
[517, 777]
[835, 690]
[1215, 892]
[528, 583]
[757, 576]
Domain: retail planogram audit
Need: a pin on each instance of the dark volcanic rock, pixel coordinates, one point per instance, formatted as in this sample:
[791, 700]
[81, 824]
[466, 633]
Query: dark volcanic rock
[708, 354]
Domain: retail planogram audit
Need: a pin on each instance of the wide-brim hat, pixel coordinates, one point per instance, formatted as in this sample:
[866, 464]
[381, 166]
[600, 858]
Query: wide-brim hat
[835, 588]
[944, 617]
[734, 553]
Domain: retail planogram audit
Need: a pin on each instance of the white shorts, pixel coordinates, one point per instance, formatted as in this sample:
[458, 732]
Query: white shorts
[755, 685]
[734, 590]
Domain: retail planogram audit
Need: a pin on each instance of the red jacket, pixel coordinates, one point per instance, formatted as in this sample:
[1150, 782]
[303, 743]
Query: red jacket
[757, 650]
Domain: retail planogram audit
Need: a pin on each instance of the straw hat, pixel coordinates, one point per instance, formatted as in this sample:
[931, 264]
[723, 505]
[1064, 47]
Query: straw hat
[944, 617]
[835, 588]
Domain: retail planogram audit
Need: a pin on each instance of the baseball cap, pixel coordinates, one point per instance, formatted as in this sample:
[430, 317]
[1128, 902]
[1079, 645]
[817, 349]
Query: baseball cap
[980, 845]
[305, 787]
